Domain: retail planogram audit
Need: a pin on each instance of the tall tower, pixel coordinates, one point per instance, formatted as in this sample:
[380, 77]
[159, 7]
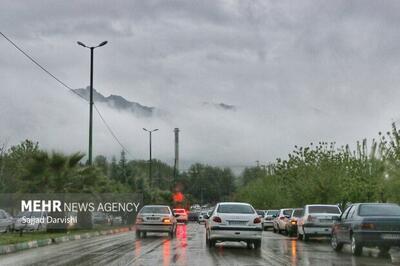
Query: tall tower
[176, 164]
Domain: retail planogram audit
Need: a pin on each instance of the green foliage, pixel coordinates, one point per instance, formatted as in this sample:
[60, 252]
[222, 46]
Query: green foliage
[207, 184]
[325, 174]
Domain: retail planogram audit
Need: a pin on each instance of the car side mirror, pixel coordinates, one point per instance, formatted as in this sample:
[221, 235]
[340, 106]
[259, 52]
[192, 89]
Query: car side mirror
[206, 217]
[274, 216]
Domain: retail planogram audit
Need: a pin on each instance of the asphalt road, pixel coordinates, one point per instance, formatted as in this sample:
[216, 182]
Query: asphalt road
[189, 248]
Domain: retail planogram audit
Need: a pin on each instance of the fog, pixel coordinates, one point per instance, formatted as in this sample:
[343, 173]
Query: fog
[296, 71]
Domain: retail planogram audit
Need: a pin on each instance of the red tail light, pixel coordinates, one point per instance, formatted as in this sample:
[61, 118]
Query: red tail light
[282, 217]
[217, 219]
[257, 220]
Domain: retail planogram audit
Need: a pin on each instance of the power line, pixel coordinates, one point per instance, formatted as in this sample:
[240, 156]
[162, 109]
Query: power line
[41, 67]
[110, 130]
[69, 88]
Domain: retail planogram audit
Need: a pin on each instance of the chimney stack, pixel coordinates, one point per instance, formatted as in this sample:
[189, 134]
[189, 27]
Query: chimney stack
[176, 165]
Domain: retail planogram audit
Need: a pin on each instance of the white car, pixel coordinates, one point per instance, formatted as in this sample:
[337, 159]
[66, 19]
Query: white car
[234, 221]
[269, 218]
[281, 220]
[201, 217]
[317, 220]
[6, 222]
[31, 221]
[155, 218]
[181, 215]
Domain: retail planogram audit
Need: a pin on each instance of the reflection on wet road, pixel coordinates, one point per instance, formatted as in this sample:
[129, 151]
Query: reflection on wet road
[189, 248]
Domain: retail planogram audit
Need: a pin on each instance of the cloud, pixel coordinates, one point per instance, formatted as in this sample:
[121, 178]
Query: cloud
[299, 71]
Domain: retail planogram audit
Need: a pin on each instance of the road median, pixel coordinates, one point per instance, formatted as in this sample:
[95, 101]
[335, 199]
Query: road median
[11, 248]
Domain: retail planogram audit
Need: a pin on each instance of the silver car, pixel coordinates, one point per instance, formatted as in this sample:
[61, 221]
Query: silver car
[234, 221]
[201, 217]
[317, 220]
[31, 221]
[269, 216]
[6, 221]
[155, 218]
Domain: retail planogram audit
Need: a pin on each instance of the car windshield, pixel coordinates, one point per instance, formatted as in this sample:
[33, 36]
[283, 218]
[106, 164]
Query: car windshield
[379, 210]
[274, 212]
[288, 212]
[24, 214]
[324, 209]
[235, 208]
[260, 213]
[36, 214]
[297, 213]
[155, 209]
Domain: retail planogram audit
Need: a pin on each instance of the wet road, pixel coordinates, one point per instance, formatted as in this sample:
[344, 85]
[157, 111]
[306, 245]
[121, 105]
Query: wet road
[188, 248]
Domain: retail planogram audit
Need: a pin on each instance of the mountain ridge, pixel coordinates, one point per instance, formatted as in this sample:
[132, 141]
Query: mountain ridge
[117, 102]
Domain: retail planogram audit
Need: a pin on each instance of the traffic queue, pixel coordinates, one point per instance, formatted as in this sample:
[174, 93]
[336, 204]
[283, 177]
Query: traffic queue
[359, 225]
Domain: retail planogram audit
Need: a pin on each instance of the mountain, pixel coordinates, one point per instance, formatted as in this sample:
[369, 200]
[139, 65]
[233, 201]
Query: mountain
[117, 102]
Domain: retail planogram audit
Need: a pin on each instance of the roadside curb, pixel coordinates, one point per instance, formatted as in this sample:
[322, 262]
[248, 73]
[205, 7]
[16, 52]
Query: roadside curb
[6, 249]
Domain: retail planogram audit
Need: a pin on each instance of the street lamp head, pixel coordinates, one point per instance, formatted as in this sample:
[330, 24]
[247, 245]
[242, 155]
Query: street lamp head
[145, 129]
[102, 44]
[155, 129]
[81, 44]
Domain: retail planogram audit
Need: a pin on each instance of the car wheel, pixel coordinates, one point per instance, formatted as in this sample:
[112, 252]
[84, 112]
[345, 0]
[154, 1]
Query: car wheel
[257, 244]
[356, 247]
[137, 233]
[299, 236]
[335, 244]
[249, 245]
[211, 243]
[274, 229]
[384, 251]
[306, 237]
[279, 230]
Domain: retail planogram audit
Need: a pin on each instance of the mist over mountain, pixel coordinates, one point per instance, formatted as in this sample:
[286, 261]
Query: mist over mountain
[118, 102]
[221, 106]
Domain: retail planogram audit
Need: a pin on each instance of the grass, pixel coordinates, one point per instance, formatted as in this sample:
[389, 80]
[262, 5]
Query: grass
[14, 238]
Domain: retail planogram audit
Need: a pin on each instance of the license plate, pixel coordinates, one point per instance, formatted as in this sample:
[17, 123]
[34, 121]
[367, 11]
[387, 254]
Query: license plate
[325, 221]
[391, 236]
[237, 222]
[153, 218]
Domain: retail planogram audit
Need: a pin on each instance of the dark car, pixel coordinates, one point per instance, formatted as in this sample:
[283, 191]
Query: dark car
[193, 216]
[367, 224]
[291, 226]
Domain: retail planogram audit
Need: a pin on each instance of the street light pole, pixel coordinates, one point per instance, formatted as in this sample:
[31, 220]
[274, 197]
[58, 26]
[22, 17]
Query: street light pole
[150, 161]
[91, 97]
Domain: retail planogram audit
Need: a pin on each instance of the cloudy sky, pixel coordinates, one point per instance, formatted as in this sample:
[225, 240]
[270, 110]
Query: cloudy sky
[297, 72]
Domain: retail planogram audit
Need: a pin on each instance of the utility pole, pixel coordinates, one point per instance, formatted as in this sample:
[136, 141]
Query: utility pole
[91, 97]
[150, 160]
